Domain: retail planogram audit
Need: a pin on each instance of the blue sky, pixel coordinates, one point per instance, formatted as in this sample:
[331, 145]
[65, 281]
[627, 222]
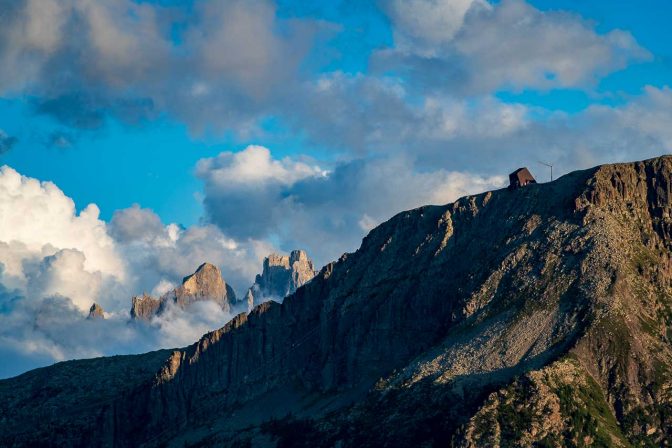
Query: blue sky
[143, 138]
[151, 163]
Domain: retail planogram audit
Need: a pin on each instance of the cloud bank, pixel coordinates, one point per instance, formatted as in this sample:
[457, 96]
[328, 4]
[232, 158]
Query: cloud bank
[473, 47]
[229, 66]
[326, 212]
[56, 262]
[82, 61]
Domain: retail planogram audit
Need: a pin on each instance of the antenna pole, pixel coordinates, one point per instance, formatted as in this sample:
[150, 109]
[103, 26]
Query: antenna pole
[548, 165]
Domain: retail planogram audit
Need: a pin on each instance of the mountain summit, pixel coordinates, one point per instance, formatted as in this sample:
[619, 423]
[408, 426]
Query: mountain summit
[204, 284]
[281, 276]
[539, 316]
[96, 312]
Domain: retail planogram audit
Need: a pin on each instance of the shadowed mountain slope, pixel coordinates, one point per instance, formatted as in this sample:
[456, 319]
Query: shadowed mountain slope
[538, 316]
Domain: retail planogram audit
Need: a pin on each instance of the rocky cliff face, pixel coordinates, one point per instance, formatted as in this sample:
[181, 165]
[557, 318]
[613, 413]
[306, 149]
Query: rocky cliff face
[281, 276]
[204, 284]
[144, 307]
[534, 317]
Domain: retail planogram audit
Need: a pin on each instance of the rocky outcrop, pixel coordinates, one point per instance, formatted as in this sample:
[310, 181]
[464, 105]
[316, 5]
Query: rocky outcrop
[534, 317]
[96, 312]
[206, 284]
[547, 406]
[281, 276]
[144, 307]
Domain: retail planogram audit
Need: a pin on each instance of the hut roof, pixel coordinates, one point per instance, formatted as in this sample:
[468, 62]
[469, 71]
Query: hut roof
[520, 178]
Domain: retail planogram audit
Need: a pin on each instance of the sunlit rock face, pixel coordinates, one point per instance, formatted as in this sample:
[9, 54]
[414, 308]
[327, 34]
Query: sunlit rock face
[206, 284]
[281, 276]
[96, 312]
[144, 307]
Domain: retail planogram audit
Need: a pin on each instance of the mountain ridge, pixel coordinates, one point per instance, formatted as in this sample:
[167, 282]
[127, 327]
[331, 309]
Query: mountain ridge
[281, 275]
[461, 313]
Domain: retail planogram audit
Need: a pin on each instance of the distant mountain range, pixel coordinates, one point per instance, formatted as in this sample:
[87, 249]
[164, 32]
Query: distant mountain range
[538, 316]
[204, 284]
[281, 276]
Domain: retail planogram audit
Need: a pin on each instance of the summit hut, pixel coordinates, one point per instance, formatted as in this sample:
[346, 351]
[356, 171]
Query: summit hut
[520, 178]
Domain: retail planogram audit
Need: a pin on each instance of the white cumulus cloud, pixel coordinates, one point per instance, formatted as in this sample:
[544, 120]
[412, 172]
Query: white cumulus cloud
[159, 255]
[511, 45]
[37, 220]
[55, 263]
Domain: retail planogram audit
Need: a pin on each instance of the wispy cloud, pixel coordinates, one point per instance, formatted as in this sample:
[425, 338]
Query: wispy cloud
[7, 142]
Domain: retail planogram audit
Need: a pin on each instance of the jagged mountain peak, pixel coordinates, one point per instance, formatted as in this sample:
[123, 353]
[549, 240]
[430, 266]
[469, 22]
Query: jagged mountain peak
[298, 255]
[96, 312]
[206, 283]
[144, 307]
[281, 276]
[204, 271]
[287, 261]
